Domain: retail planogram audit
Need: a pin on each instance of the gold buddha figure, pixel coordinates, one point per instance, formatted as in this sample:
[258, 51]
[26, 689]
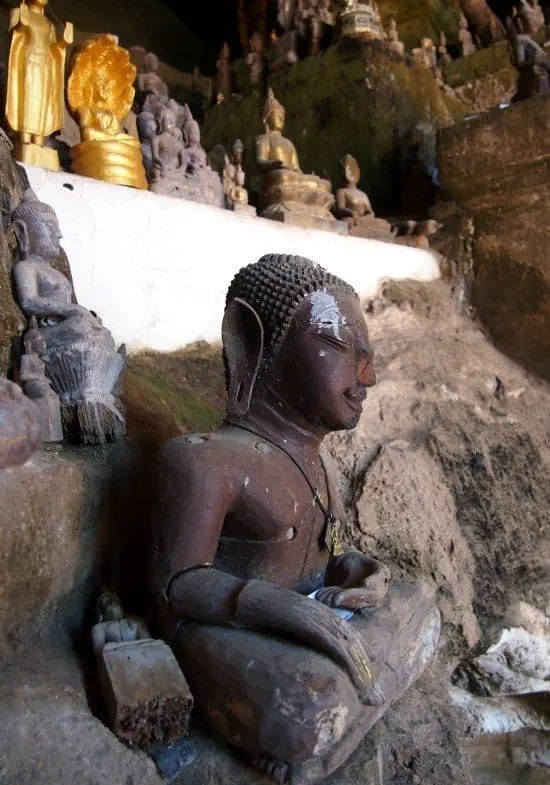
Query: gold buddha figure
[36, 74]
[100, 94]
[287, 193]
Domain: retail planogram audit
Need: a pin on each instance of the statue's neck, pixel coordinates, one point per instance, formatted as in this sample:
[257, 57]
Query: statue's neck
[278, 422]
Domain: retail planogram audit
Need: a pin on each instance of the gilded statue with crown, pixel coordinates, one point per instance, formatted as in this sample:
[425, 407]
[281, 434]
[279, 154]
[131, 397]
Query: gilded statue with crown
[35, 86]
[287, 194]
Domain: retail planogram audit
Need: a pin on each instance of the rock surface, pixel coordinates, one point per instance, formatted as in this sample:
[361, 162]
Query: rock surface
[495, 167]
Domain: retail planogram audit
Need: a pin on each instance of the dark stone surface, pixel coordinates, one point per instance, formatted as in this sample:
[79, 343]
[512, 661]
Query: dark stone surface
[496, 168]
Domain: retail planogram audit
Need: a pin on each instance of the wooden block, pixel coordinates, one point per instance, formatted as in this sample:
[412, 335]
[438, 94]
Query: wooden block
[147, 696]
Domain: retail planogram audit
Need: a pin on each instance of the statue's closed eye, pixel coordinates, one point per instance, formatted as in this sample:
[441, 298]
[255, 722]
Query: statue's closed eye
[332, 340]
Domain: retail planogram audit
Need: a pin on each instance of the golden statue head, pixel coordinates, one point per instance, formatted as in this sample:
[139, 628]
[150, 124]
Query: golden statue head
[274, 113]
[39, 4]
[100, 89]
[351, 170]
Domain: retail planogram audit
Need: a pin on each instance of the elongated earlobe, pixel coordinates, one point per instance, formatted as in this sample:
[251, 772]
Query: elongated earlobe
[243, 344]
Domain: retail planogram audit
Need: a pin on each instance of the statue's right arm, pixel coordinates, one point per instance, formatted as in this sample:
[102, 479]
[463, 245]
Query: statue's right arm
[194, 492]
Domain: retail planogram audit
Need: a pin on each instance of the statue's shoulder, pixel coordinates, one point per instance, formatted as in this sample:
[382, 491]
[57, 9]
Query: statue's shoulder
[221, 448]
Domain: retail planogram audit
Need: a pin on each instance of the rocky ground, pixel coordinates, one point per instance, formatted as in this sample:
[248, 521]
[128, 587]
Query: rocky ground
[446, 479]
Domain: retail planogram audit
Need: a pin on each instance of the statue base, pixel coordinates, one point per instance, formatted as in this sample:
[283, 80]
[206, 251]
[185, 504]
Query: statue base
[244, 209]
[372, 228]
[116, 160]
[93, 422]
[35, 155]
[306, 220]
[204, 187]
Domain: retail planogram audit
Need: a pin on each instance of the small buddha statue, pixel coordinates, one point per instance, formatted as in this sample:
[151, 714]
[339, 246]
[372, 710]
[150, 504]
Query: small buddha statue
[78, 352]
[465, 37]
[113, 626]
[36, 78]
[293, 643]
[168, 155]
[287, 194]
[255, 60]
[234, 179]
[223, 77]
[152, 90]
[443, 53]
[353, 205]
[194, 149]
[393, 37]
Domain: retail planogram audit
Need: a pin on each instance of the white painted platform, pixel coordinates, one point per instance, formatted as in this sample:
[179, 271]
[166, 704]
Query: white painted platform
[156, 269]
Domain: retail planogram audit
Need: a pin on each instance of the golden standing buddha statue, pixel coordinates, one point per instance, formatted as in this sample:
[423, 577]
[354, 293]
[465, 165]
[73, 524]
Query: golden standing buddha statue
[287, 194]
[36, 71]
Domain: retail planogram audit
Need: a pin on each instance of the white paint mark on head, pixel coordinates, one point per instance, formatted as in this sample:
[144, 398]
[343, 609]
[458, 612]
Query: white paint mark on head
[325, 311]
[246, 481]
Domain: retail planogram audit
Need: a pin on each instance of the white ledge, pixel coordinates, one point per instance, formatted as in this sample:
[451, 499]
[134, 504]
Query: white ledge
[156, 269]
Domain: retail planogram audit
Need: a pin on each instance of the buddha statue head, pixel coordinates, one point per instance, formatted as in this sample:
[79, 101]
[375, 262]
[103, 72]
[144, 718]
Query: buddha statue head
[350, 170]
[274, 113]
[167, 121]
[295, 336]
[150, 63]
[36, 229]
[237, 152]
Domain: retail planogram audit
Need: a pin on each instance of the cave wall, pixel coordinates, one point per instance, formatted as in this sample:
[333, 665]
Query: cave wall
[497, 168]
[142, 23]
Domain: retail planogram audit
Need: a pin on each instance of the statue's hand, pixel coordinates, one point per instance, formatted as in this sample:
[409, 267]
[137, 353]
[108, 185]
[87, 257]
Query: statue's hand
[355, 581]
[68, 33]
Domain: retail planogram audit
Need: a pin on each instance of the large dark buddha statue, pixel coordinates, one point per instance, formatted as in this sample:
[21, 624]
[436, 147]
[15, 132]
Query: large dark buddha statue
[293, 643]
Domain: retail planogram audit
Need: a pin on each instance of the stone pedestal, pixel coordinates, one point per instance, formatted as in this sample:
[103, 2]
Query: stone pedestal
[306, 220]
[496, 168]
[35, 155]
[372, 228]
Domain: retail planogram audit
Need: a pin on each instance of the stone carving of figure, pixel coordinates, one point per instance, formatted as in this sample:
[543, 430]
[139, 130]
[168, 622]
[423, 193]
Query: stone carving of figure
[258, 594]
[353, 205]
[37, 386]
[285, 188]
[196, 154]
[179, 163]
[443, 54]
[234, 178]
[36, 78]
[169, 157]
[430, 52]
[393, 38]
[19, 426]
[465, 37]
[113, 626]
[79, 353]
[256, 60]
[147, 129]
[530, 19]
[223, 78]
[152, 90]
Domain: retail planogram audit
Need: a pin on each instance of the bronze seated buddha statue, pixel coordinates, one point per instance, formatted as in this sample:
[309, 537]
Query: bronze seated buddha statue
[293, 644]
[286, 192]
